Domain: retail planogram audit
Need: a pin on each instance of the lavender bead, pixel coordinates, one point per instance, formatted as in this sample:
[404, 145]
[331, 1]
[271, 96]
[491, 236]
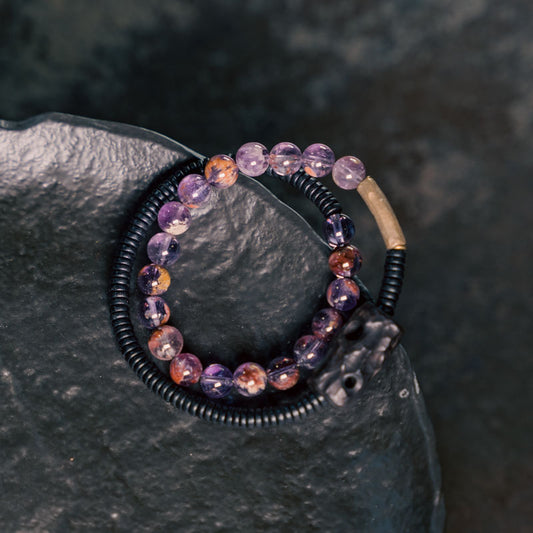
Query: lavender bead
[185, 369]
[326, 323]
[216, 381]
[282, 373]
[153, 312]
[285, 159]
[252, 159]
[194, 191]
[318, 160]
[309, 351]
[163, 249]
[348, 172]
[174, 218]
[343, 294]
[165, 343]
[338, 229]
[250, 379]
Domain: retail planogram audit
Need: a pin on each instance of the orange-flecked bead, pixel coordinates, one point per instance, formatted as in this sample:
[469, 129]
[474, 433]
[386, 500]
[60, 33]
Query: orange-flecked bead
[346, 261]
[185, 369]
[153, 280]
[221, 171]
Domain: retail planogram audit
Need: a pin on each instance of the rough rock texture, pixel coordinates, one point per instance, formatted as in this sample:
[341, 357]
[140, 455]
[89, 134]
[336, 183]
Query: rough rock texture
[86, 446]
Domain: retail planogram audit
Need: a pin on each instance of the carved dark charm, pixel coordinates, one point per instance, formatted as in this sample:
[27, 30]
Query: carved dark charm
[363, 344]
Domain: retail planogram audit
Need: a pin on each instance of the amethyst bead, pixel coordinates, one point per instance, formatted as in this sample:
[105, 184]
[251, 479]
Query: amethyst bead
[163, 249]
[221, 171]
[252, 159]
[309, 351]
[326, 323]
[185, 369]
[153, 280]
[338, 229]
[285, 159]
[346, 261]
[250, 379]
[165, 343]
[348, 172]
[153, 312]
[174, 218]
[216, 381]
[343, 294]
[282, 373]
[318, 160]
[194, 191]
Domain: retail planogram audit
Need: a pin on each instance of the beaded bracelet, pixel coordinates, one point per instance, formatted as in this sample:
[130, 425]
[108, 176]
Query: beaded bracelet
[194, 190]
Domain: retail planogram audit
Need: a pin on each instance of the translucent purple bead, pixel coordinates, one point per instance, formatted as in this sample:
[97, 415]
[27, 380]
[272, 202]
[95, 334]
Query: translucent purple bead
[194, 191]
[318, 160]
[163, 249]
[153, 280]
[343, 294]
[348, 172]
[326, 323]
[285, 159]
[185, 369]
[216, 381]
[250, 379]
[165, 343]
[252, 159]
[309, 351]
[174, 218]
[338, 229]
[282, 373]
[153, 312]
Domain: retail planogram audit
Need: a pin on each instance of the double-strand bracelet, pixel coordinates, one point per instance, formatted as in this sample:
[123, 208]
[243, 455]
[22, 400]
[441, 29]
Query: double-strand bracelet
[193, 188]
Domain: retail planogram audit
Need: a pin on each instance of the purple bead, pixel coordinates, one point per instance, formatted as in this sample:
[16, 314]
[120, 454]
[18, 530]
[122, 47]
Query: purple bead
[194, 191]
[165, 343]
[338, 229]
[163, 249]
[252, 159]
[216, 381]
[343, 294]
[221, 171]
[282, 373]
[285, 159]
[309, 351]
[174, 218]
[250, 379]
[348, 172]
[153, 312]
[185, 369]
[326, 323]
[318, 160]
[153, 280]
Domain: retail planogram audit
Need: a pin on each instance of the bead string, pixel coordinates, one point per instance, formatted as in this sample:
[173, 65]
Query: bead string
[195, 191]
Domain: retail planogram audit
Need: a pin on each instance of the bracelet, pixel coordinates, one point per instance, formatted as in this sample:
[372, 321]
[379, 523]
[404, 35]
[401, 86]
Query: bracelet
[193, 184]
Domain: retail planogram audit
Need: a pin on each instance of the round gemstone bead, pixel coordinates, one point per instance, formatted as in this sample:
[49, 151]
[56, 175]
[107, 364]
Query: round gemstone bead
[345, 261]
[153, 280]
[343, 294]
[221, 171]
[163, 249]
[338, 229]
[326, 323]
[185, 369]
[165, 343]
[252, 159]
[348, 172]
[282, 373]
[194, 191]
[153, 312]
[250, 379]
[285, 159]
[309, 351]
[216, 381]
[318, 160]
[174, 218]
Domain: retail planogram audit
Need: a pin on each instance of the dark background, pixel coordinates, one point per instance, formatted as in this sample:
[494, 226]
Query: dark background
[435, 98]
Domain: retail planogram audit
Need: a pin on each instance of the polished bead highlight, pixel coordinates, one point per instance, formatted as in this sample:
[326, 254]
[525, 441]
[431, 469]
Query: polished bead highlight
[163, 249]
[185, 369]
[221, 171]
[252, 159]
[318, 160]
[153, 312]
[250, 379]
[309, 351]
[282, 373]
[174, 218]
[285, 159]
[194, 191]
[165, 343]
[346, 261]
[216, 381]
[348, 172]
[153, 280]
[343, 294]
[326, 323]
[338, 229]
